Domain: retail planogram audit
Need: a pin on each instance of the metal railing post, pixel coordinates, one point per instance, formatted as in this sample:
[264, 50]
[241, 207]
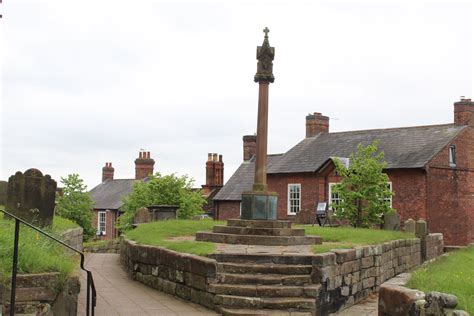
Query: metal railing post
[14, 267]
[91, 292]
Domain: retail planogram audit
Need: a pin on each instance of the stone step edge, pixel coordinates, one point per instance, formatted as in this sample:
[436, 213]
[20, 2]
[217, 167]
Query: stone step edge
[263, 279]
[259, 231]
[261, 291]
[285, 269]
[303, 259]
[226, 311]
[266, 303]
[257, 240]
[259, 223]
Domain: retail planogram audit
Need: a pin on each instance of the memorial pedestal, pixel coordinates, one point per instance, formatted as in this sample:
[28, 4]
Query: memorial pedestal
[259, 205]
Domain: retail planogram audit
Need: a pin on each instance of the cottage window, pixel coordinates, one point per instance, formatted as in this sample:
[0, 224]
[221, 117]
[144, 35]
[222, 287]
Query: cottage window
[389, 199]
[452, 156]
[101, 221]
[333, 198]
[294, 198]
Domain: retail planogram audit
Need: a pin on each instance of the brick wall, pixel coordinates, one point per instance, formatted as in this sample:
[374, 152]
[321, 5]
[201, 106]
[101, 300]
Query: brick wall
[227, 209]
[450, 200]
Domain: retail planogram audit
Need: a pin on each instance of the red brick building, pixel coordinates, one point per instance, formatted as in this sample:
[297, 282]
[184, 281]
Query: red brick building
[431, 172]
[214, 180]
[108, 195]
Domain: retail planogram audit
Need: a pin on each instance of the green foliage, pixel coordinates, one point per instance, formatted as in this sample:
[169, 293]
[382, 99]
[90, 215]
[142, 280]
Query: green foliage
[451, 274]
[37, 253]
[61, 224]
[76, 204]
[363, 189]
[348, 237]
[162, 233]
[162, 190]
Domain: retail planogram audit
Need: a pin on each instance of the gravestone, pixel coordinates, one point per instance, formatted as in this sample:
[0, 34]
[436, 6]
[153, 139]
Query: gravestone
[391, 221]
[3, 192]
[409, 226]
[142, 215]
[421, 229]
[31, 197]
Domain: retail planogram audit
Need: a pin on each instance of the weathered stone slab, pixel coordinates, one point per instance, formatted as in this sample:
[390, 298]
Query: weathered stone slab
[31, 197]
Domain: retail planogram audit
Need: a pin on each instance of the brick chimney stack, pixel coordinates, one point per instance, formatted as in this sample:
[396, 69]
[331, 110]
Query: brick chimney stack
[214, 171]
[143, 165]
[316, 123]
[108, 172]
[464, 112]
[250, 146]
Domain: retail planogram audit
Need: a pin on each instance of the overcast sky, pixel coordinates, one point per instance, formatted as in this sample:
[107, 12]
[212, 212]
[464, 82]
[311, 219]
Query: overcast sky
[85, 82]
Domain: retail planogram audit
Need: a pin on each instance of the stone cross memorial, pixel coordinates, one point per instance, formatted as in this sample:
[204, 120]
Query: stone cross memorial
[259, 203]
[31, 197]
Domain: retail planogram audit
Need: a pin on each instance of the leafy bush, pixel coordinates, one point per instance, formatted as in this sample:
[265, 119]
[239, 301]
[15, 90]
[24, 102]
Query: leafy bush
[76, 204]
[162, 190]
[364, 188]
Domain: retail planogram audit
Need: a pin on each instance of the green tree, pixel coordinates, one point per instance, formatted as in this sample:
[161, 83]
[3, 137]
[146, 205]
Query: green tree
[76, 204]
[364, 190]
[162, 190]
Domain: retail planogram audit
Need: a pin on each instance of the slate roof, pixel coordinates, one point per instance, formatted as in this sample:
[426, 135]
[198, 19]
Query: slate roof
[108, 195]
[406, 147]
[242, 179]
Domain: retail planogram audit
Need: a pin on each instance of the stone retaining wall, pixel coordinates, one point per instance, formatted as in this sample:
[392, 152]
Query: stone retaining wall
[73, 237]
[399, 300]
[42, 293]
[434, 246]
[350, 275]
[184, 275]
[105, 246]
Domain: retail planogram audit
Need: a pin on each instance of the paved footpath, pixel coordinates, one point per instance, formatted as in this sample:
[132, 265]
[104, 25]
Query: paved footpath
[119, 295]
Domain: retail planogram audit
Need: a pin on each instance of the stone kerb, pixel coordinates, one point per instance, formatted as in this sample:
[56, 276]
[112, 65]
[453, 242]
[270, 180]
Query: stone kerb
[183, 275]
[348, 276]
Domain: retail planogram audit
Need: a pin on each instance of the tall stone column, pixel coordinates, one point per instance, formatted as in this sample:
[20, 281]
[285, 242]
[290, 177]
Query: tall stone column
[259, 203]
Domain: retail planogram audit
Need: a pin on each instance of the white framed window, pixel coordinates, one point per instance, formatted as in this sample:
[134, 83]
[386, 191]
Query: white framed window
[389, 199]
[101, 223]
[452, 156]
[333, 198]
[294, 198]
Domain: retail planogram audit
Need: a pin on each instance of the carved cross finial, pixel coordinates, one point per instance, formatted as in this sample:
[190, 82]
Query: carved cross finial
[266, 30]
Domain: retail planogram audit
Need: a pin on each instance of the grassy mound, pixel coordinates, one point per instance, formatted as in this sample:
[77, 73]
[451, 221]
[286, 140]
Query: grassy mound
[453, 274]
[348, 237]
[171, 235]
[37, 253]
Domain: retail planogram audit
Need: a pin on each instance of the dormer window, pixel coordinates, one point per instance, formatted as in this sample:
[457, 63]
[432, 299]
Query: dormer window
[452, 156]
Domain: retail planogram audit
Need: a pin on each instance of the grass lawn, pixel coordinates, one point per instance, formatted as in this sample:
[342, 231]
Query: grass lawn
[161, 234]
[348, 237]
[36, 252]
[453, 274]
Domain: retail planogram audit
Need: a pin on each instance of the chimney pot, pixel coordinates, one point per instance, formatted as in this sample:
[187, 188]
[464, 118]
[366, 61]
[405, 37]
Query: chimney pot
[250, 146]
[220, 158]
[464, 112]
[316, 123]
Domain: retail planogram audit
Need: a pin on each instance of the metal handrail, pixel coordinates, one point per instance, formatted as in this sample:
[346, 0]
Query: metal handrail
[90, 279]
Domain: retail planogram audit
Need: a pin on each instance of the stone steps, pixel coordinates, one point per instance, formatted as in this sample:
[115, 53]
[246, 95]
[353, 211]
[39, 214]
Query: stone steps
[257, 290]
[260, 259]
[293, 269]
[258, 239]
[259, 231]
[279, 303]
[266, 279]
[257, 312]
[258, 223]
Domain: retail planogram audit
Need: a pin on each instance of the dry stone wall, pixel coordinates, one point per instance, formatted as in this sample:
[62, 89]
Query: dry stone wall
[184, 275]
[348, 276]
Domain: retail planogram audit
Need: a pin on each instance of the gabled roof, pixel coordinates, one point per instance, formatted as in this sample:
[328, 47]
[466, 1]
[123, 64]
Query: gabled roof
[407, 147]
[109, 194]
[242, 179]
